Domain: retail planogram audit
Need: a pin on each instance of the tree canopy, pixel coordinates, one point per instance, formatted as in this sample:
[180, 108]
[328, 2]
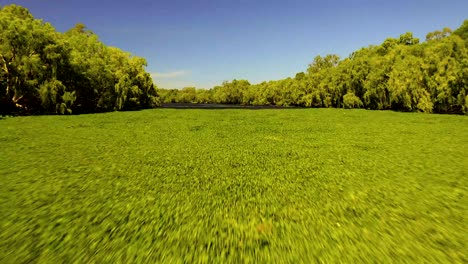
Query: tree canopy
[47, 72]
[401, 74]
[44, 71]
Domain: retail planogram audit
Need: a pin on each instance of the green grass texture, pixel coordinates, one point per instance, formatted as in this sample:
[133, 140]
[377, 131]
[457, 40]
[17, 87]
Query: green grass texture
[234, 186]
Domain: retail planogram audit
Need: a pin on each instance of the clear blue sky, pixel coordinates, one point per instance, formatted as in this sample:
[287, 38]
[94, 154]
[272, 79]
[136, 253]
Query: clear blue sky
[203, 42]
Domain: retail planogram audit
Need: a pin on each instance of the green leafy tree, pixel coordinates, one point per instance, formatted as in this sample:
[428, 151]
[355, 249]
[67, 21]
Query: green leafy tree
[350, 100]
[462, 31]
[43, 71]
[438, 34]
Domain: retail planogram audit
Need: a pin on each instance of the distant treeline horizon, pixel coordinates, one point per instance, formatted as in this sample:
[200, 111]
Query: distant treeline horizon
[401, 74]
[43, 71]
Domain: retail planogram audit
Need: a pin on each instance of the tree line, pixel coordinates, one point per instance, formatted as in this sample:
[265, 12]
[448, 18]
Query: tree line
[401, 74]
[43, 71]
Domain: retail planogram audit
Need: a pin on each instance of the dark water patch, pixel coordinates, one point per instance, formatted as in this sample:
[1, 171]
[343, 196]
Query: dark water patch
[223, 106]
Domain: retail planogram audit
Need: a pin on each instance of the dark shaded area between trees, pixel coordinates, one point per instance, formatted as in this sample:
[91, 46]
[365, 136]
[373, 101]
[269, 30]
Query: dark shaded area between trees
[43, 71]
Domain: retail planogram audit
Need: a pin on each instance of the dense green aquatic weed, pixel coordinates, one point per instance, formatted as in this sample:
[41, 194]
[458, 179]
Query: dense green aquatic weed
[299, 185]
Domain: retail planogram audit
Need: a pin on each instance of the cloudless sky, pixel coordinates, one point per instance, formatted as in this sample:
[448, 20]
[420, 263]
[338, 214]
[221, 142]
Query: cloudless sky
[204, 42]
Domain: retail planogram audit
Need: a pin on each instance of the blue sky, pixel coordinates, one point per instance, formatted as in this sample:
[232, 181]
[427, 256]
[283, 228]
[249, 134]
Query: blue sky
[204, 42]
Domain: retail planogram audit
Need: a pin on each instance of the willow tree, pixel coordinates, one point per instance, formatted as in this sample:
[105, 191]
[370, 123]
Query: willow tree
[34, 63]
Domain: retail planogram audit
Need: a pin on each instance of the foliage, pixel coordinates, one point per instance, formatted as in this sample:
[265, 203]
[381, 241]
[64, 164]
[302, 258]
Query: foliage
[43, 71]
[276, 186]
[463, 30]
[40, 67]
[350, 100]
[400, 74]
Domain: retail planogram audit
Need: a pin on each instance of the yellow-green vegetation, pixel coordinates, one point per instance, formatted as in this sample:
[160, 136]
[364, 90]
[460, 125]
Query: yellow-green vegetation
[235, 186]
[43, 71]
[401, 74]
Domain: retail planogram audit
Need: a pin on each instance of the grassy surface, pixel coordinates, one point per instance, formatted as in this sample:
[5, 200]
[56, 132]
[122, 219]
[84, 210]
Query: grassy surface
[299, 185]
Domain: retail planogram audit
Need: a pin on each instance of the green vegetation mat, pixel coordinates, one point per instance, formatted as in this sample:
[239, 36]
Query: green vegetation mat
[277, 186]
